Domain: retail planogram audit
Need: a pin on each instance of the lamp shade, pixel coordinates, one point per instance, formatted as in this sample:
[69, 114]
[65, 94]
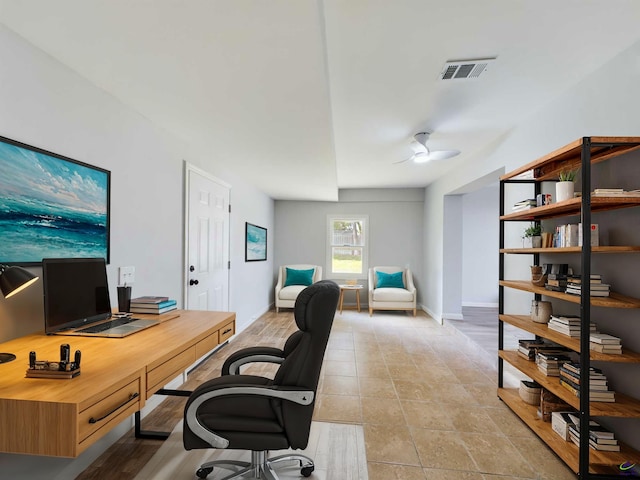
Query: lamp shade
[14, 279]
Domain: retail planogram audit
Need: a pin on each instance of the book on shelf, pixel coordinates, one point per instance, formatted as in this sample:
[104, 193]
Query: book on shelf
[149, 300]
[595, 379]
[574, 434]
[524, 205]
[594, 278]
[610, 349]
[555, 288]
[527, 348]
[560, 422]
[595, 235]
[559, 282]
[604, 338]
[594, 395]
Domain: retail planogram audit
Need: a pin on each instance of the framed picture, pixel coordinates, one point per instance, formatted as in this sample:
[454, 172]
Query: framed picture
[255, 246]
[51, 206]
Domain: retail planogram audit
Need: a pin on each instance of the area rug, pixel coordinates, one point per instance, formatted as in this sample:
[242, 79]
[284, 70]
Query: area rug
[337, 450]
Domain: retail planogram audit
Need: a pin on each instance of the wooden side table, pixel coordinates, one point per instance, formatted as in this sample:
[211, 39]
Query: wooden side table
[356, 288]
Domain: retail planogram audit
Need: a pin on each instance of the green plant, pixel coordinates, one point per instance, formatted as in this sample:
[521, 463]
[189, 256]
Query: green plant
[567, 175]
[533, 231]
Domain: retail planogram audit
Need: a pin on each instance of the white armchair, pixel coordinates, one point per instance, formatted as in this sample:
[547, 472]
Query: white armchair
[390, 296]
[286, 293]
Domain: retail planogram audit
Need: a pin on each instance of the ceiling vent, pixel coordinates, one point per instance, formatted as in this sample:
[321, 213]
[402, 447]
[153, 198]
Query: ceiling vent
[465, 69]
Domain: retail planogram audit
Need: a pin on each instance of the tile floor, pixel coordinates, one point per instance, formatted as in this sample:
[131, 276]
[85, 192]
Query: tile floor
[426, 397]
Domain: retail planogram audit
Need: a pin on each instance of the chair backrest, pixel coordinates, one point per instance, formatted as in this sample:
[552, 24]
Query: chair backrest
[304, 350]
[282, 273]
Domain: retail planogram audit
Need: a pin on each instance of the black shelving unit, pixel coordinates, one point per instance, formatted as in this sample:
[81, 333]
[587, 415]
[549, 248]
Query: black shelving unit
[582, 153]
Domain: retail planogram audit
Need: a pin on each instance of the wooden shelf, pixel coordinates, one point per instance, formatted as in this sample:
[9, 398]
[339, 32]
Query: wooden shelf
[601, 249]
[572, 207]
[614, 300]
[569, 157]
[624, 406]
[524, 322]
[566, 450]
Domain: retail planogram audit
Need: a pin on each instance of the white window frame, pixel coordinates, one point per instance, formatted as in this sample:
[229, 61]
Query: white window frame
[365, 248]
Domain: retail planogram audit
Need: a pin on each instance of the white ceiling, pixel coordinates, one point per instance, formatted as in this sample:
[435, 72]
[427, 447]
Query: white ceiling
[302, 97]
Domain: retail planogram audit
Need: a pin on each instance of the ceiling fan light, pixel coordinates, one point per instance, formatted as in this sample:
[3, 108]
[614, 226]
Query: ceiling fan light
[421, 157]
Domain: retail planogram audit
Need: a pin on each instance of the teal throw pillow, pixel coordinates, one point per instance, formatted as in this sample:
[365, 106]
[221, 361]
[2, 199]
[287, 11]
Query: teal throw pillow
[389, 280]
[299, 277]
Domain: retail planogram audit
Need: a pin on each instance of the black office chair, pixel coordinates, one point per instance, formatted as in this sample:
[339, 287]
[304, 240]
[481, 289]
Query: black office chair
[255, 413]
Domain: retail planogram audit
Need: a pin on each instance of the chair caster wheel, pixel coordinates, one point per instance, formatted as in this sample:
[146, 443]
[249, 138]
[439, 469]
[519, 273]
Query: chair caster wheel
[306, 471]
[203, 472]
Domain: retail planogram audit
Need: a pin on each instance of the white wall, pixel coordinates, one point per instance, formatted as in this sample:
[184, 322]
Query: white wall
[395, 229]
[452, 258]
[479, 239]
[603, 104]
[44, 104]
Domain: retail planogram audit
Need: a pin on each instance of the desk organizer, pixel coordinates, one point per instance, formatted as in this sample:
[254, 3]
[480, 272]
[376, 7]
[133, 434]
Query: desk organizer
[61, 374]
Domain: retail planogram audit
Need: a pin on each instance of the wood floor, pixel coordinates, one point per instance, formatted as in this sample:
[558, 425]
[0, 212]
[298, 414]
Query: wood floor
[423, 393]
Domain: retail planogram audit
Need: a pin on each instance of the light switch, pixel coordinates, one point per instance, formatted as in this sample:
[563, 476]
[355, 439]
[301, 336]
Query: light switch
[127, 275]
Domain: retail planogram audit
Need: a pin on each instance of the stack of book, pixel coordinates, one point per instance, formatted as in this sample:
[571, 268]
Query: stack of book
[524, 205]
[527, 348]
[567, 235]
[598, 386]
[614, 192]
[556, 282]
[153, 305]
[597, 288]
[604, 343]
[568, 325]
[599, 437]
[549, 361]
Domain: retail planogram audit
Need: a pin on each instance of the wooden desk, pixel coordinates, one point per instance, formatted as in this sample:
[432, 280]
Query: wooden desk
[64, 417]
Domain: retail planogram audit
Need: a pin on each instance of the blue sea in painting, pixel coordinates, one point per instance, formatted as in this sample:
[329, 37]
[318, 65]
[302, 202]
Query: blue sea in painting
[50, 207]
[256, 243]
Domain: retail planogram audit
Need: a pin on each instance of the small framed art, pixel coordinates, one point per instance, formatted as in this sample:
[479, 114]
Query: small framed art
[255, 249]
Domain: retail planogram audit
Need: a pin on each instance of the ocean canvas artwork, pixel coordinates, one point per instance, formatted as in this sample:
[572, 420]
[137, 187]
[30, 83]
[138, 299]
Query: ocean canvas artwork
[256, 243]
[50, 207]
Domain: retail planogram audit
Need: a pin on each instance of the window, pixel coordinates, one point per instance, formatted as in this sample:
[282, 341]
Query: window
[347, 245]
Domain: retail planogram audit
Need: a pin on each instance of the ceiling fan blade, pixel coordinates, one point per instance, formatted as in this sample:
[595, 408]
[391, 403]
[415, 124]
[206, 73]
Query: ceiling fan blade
[442, 154]
[405, 160]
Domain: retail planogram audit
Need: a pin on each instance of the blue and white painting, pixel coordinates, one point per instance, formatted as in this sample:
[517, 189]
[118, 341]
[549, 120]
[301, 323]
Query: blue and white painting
[256, 243]
[50, 207]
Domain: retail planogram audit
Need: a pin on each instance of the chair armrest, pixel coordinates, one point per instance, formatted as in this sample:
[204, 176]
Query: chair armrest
[291, 394]
[410, 286]
[234, 361]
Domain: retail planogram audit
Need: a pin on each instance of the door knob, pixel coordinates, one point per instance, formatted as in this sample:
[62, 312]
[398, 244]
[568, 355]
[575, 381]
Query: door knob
[191, 268]
[193, 282]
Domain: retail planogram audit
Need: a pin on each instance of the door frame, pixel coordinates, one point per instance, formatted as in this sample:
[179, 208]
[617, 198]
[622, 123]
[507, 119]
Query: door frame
[189, 167]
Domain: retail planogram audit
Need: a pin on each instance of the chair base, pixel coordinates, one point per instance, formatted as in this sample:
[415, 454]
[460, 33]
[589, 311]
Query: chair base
[259, 467]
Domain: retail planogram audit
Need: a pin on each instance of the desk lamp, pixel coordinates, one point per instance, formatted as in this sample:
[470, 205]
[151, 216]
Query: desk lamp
[13, 280]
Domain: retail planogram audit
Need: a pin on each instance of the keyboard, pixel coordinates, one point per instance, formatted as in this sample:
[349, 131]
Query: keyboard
[107, 325]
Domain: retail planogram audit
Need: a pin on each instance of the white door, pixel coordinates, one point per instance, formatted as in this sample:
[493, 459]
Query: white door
[206, 241]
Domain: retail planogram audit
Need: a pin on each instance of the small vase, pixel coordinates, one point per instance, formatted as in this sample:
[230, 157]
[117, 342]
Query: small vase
[564, 191]
[536, 241]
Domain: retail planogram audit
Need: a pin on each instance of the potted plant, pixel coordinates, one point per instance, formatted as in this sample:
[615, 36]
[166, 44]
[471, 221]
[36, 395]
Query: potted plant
[565, 186]
[533, 236]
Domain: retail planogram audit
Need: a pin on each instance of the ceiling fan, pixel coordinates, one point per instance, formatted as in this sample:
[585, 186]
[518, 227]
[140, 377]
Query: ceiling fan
[422, 153]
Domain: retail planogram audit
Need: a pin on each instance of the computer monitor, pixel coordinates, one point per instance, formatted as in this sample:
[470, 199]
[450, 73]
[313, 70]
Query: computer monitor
[75, 292]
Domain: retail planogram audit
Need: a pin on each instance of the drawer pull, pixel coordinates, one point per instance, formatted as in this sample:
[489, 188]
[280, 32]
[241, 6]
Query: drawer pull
[132, 396]
[226, 331]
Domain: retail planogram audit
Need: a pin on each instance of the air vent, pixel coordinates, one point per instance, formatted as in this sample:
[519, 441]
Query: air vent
[465, 69]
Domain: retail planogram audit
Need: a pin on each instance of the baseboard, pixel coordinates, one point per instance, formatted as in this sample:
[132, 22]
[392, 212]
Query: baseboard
[432, 314]
[480, 304]
[452, 316]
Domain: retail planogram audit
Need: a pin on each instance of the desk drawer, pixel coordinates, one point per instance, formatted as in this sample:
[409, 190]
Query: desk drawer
[227, 331]
[109, 411]
[207, 344]
[167, 371]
